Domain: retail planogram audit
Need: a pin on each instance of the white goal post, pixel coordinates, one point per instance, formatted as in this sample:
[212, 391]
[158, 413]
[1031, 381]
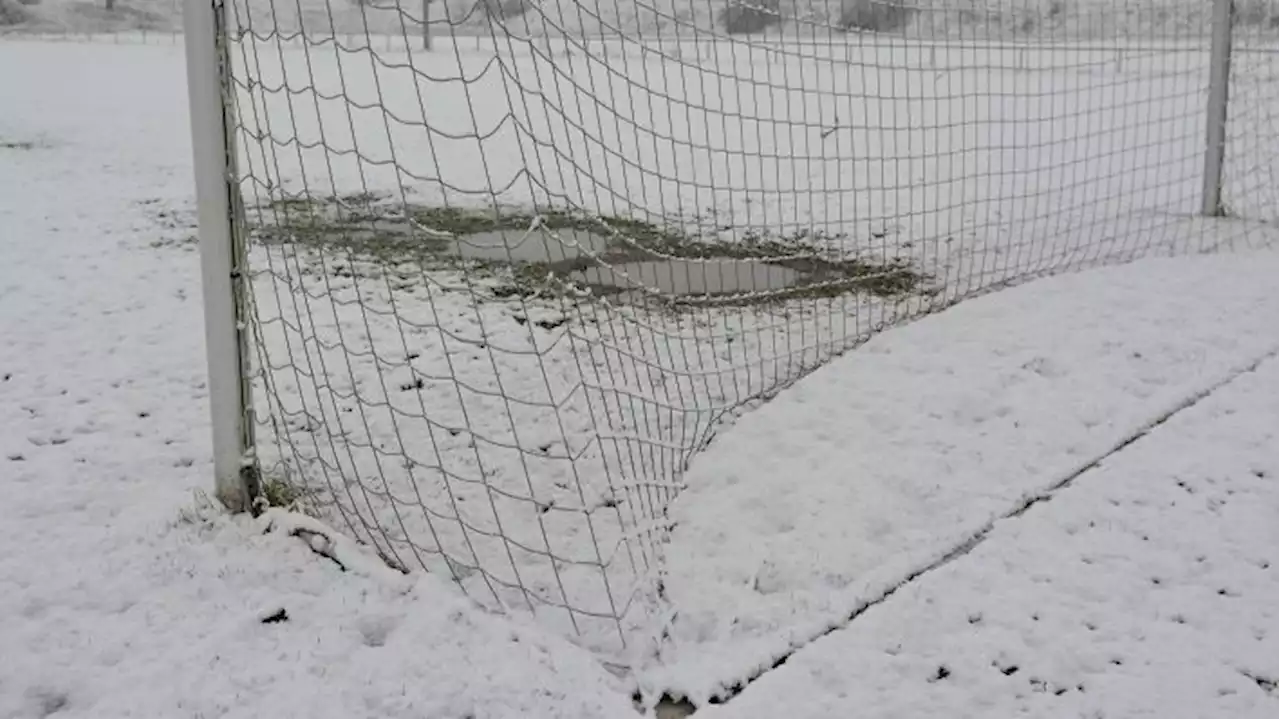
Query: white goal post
[221, 255]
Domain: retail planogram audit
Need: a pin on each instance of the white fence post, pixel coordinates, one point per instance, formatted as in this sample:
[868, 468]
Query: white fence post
[1216, 133]
[226, 338]
[426, 24]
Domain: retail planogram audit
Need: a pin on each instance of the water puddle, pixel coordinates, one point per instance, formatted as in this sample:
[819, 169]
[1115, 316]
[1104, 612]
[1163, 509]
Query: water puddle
[522, 246]
[674, 277]
[690, 277]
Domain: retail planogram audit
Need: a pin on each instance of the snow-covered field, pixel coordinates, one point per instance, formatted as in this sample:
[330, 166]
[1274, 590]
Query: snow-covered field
[929, 433]
[1146, 588]
[531, 445]
[126, 596]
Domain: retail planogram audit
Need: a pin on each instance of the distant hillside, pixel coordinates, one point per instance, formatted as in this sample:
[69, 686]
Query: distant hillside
[1028, 19]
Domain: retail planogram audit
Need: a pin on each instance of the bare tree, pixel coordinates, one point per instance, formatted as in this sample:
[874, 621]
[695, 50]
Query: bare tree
[744, 17]
[12, 12]
[874, 15]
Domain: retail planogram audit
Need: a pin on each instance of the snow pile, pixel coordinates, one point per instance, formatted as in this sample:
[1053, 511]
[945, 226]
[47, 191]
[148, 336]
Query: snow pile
[122, 613]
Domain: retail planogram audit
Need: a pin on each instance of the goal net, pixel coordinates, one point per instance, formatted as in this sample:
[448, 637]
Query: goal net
[511, 263]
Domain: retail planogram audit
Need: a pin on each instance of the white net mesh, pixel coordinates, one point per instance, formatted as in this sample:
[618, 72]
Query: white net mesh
[503, 289]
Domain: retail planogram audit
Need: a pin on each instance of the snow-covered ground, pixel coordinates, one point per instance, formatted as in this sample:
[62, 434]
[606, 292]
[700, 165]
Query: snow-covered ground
[125, 595]
[929, 432]
[1147, 588]
[531, 445]
[119, 595]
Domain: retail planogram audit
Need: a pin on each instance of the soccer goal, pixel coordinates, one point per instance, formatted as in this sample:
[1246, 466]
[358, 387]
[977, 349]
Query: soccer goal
[483, 276]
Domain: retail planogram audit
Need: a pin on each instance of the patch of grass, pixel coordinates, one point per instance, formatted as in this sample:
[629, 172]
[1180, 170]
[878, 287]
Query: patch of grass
[300, 204]
[532, 279]
[470, 221]
[280, 493]
[829, 274]
[359, 198]
[187, 242]
[649, 236]
[832, 278]
[352, 223]
[460, 220]
[390, 233]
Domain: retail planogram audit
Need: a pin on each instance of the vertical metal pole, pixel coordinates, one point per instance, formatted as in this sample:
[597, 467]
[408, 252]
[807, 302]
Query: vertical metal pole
[426, 24]
[226, 345]
[1216, 133]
